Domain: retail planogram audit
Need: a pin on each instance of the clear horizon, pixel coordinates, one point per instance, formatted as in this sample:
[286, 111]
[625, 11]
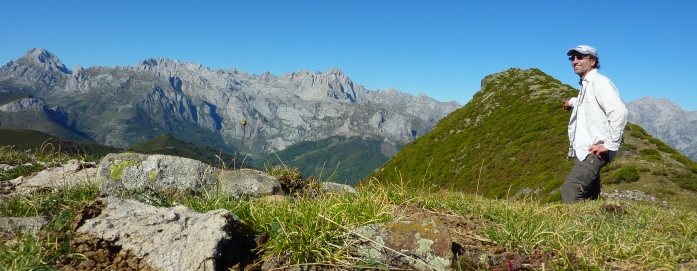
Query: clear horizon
[441, 49]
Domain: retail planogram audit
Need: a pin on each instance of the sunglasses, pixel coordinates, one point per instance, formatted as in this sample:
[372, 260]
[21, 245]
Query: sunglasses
[579, 57]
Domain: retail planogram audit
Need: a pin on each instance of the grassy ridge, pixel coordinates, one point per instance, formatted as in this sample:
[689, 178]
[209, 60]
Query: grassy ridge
[513, 135]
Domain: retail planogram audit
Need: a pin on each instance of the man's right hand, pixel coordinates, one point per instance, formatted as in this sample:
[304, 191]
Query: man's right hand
[567, 106]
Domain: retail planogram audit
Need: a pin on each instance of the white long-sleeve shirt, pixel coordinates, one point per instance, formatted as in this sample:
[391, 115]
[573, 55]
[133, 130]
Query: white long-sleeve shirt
[598, 117]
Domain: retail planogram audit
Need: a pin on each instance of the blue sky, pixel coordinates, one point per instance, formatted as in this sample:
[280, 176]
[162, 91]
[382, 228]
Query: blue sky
[440, 48]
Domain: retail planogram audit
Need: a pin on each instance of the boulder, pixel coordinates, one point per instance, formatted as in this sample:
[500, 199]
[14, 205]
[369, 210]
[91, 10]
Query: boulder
[249, 183]
[118, 234]
[134, 173]
[413, 245]
[124, 172]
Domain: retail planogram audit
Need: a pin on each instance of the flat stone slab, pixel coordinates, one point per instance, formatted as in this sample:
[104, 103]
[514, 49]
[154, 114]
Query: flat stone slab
[68, 175]
[114, 233]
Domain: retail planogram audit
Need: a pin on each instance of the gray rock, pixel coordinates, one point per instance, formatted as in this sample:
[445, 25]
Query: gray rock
[134, 173]
[414, 245]
[122, 172]
[330, 187]
[249, 183]
[9, 226]
[23, 104]
[63, 176]
[633, 195]
[143, 237]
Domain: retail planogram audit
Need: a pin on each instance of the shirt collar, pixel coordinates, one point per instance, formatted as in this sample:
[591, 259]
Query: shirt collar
[589, 75]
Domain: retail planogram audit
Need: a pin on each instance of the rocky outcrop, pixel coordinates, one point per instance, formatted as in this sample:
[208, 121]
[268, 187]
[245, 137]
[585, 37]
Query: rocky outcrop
[117, 234]
[665, 120]
[121, 106]
[23, 104]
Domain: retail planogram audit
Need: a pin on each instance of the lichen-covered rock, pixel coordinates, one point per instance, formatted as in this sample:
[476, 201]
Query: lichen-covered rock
[123, 172]
[415, 245]
[120, 234]
[136, 174]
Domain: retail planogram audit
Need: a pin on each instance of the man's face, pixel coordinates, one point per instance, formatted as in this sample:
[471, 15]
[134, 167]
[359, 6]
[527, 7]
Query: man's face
[582, 64]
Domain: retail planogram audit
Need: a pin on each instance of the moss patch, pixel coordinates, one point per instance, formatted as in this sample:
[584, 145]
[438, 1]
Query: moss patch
[152, 175]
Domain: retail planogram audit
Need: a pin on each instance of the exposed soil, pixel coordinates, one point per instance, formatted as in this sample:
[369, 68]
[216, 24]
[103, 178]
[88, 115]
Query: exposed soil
[472, 251]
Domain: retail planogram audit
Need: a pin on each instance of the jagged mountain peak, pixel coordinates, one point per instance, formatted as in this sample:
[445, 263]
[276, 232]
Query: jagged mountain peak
[45, 60]
[664, 103]
[167, 63]
[336, 71]
[667, 121]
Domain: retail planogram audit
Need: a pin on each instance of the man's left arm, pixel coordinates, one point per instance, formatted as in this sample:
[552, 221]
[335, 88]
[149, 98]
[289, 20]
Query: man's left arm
[615, 112]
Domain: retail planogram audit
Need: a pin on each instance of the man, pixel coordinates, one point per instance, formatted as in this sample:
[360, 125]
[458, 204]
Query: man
[595, 128]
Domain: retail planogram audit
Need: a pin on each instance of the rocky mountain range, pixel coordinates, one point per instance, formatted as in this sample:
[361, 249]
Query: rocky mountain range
[668, 122]
[123, 106]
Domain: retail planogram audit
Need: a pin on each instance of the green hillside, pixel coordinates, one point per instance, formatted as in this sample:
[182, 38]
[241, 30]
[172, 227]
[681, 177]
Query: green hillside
[169, 145]
[42, 142]
[336, 159]
[513, 135]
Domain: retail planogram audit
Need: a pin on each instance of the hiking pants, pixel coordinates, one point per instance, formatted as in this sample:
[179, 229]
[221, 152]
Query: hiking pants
[584, 180]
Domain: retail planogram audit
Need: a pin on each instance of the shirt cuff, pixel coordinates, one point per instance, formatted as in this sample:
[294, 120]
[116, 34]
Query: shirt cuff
[611, 146]
[572, 102]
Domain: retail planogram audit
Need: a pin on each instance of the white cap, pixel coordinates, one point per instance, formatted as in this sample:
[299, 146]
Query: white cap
[584, 49]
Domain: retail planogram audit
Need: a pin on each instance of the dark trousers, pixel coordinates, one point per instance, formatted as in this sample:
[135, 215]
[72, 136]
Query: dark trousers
[584, 180]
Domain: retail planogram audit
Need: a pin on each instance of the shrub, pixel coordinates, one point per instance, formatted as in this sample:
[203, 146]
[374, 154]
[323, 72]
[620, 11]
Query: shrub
[628, 174]
[665, 191]
[610, 167]
[656, 141]
[637, 134]
[685, 180]
[682, 159]
[651, 155]
[627, 147]
[666, 149]
[637, 131]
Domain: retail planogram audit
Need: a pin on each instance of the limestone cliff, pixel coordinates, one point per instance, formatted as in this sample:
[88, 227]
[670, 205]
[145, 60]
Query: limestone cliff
[122, 106]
